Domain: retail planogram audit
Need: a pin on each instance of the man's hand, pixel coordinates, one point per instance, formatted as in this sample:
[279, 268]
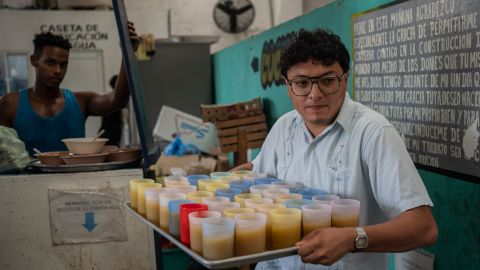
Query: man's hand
[133, 35]
[327, 245]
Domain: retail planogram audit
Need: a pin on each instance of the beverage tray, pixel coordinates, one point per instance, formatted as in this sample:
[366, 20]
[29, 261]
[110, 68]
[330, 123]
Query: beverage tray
[217, 264]
[36, 166]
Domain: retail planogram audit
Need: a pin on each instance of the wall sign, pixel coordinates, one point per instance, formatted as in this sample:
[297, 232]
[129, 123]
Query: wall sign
[82, 36]
[86, 216]
[418, 64]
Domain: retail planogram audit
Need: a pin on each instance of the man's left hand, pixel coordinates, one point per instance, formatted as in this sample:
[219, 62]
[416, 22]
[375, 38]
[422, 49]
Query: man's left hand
[326, 245]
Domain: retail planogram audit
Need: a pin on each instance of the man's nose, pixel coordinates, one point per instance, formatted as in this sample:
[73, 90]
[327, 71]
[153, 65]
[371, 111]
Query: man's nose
[316, 92]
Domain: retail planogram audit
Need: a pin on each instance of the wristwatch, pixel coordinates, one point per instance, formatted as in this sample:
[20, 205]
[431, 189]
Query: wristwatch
[361, 241]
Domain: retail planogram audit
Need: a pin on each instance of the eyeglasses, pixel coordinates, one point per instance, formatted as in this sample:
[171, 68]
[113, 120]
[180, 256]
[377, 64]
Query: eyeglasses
[328, 84]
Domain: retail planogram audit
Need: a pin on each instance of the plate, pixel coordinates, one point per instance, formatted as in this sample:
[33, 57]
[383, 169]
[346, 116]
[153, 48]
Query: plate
[36, 166]
[217, 264]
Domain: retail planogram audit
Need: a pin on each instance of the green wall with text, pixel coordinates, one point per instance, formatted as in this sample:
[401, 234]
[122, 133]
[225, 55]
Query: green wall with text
[457, 202]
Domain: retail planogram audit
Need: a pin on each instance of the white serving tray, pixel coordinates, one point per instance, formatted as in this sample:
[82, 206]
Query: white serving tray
[217, 264]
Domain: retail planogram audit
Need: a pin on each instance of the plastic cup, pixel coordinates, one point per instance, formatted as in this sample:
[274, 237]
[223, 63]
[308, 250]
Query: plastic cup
[185, 210]
[174, 216]
[228, 179]
[316, 216]
[231, 212]
[212, 187]
[325, 199]
[218, 236]
[345, 213]
[308, 193]
[272, 193]
[216, 199]
[228, 192]
[221, 206]
[297, 203]
[281, 198]
[196, 219]
[141, 209]
[252, 176]
[242, 173]
[243, 185]
[240, 198]
[197, 196]
[184, 189]
[253, 203]
[250, 233]
[165, 198]
[152, 204]
[193, 179]
[266, 209]
[286, 227]
[215, 175]
[175, 181]
[260, 188]
[202, 184]
[264, 180]
[133, 190]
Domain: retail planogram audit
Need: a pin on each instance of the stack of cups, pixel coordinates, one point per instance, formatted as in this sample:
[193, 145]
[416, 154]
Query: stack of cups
[203, 183]
[212, 187]
[133, 190]
[196, 219]
[266, 209]
[308, 193]
[273, 193]
[316, 216]
[281, 198]
[174, 216]
[297, 203]
[152, 204]
[176, 181]
[218, 236]
[165, 198]
[345, 213]
[250, 230]
[185, 210]
[210, 200]
[141, 209]
[286, 227]
[325, 198]
[253, 203]
[231, 212]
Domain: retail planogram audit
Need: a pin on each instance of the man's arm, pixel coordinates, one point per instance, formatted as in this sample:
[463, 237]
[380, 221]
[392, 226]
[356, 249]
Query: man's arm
[245, 166]
[113, 101]
[411, 229]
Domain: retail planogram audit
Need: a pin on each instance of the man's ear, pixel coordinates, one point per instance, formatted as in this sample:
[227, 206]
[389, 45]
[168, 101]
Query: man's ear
[346, 75]
[33, 60]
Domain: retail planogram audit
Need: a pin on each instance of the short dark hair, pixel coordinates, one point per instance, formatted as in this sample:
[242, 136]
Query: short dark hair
[48, 39]
[320, 45]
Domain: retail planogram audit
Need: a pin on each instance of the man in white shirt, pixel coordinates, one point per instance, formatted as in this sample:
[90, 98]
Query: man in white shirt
[336, 144]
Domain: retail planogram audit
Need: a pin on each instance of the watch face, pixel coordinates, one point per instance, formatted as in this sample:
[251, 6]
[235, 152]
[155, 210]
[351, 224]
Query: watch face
[362, 242]
[233, 16]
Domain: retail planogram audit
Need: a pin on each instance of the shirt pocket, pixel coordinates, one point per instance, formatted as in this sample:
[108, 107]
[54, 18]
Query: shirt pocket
[338, 173]
[284, 158]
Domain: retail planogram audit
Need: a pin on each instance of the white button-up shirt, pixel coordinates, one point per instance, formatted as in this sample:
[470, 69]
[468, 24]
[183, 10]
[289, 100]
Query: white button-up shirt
[360, 156]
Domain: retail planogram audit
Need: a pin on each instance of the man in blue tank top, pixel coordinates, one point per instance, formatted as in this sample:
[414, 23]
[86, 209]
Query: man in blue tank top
[45, 114]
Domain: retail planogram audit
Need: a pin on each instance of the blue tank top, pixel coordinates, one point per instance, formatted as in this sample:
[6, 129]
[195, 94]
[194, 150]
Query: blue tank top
[46, 133]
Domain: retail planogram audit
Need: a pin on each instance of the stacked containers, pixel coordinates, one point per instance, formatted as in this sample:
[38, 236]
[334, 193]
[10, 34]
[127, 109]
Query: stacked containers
[250, 230]
[174, 216]
[133, 190]
[286, 227]
[218, 236]
[141, 209]
[196, 219]
[165, 198]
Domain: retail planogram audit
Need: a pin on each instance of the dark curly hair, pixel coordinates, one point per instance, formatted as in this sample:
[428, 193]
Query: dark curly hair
[48, 39]
[320, 45]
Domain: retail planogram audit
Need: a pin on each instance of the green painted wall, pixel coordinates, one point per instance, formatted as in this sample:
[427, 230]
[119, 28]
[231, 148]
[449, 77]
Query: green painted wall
[457, 203]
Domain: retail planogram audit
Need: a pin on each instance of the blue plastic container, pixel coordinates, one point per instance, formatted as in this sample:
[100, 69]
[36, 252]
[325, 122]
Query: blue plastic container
[228, 192]
[193, 179]
[174, 216]
[265, 180]
[243, 185]
[215, 175]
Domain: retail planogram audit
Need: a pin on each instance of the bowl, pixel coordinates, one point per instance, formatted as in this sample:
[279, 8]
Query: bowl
[124, 154]
[85, 159]
[84, 146]
[51, 158]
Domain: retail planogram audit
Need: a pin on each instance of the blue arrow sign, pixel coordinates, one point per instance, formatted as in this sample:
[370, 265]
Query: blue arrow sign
[89, 222]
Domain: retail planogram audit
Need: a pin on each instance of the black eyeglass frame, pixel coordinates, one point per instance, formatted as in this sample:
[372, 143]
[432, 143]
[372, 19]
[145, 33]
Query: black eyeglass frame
[314, 80]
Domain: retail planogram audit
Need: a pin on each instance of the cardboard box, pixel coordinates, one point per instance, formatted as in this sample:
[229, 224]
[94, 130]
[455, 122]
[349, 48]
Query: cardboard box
[191, 129]
[164, 163]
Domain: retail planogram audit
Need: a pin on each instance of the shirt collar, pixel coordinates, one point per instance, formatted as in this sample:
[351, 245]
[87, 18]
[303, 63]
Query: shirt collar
[346, 114]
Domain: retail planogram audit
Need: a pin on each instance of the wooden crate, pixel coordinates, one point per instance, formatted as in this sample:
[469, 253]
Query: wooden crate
[215, 112]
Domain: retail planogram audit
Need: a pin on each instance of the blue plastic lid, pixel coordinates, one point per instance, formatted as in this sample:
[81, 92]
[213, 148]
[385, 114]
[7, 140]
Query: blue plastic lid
[308, 193]
[193, 179]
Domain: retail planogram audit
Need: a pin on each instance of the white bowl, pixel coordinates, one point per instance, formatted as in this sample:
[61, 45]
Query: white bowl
[84, 146]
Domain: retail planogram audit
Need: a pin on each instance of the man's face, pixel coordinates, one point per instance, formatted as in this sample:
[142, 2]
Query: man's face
[50, 66]
[318, 109]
